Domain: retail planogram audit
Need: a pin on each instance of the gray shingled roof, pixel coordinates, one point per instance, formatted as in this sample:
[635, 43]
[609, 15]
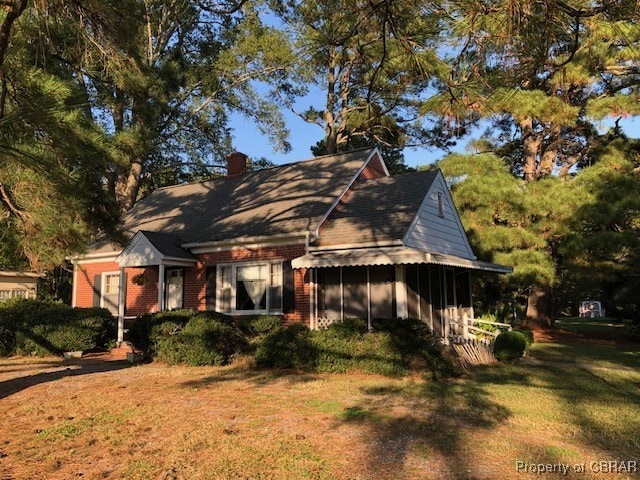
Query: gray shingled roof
[378, 210]
[280, 200]
[168, 245]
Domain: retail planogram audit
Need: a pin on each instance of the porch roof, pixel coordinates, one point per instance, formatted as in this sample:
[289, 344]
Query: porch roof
[394, 255]
[153, 248]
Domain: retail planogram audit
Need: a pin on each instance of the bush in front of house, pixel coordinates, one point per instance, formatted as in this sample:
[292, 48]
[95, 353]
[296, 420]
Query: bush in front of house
[287, 347]
[149, 329]
[259, 325]
[509, 346]
[394, 348]
[528, 335]
[188, 338]
[204, 340]
[36, 327]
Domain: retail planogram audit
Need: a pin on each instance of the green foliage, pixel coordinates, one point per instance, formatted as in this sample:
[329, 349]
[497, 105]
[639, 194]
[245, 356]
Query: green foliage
[186, 337]
[151, 328]
[509, 346]
[395, 348]
[528, 335]
[202, 341]
[287, 347]
[255, 325]
[34, 327]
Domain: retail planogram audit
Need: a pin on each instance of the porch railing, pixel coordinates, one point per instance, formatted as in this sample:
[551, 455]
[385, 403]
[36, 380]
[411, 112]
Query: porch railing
[462, 326]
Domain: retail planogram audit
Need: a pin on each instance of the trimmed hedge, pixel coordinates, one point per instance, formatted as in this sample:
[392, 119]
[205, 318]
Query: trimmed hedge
[188, 338]
[510, 346]
[528, 335]
[35, 327]
[394, 348]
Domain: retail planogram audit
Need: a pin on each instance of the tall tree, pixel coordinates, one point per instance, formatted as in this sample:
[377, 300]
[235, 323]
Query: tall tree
[541, 71]
[372, 61]
[161, 77]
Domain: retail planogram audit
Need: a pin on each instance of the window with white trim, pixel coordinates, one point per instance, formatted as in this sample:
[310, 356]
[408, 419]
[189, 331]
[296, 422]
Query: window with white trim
[17, 292]
[250, 288]
[111, 283]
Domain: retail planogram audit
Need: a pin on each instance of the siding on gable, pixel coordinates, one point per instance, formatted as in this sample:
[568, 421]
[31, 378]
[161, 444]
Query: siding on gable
[432, 233]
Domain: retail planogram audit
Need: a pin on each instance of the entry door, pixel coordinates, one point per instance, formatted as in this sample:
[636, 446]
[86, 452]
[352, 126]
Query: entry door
[174, 288]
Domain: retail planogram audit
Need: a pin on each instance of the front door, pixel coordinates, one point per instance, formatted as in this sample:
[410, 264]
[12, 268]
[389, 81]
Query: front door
[174, 288]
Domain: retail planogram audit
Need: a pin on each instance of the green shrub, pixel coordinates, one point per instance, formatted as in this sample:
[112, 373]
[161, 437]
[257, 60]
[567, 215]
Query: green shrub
[148, 329]
[287, 347]
[204, 340]
[509, 346]
[34, 327]
[395, 349]
[528, 335]
[259, 325]
[349, 327]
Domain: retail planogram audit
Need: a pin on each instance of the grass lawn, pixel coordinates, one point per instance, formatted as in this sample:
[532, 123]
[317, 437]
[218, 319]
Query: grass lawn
[159, 422]
[593, 325]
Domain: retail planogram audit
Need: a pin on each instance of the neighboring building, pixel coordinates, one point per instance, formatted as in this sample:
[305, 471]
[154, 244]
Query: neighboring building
[18, 284]
[314, 241]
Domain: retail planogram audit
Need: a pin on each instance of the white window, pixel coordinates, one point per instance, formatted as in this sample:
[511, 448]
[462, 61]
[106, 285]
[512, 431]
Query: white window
[249, 288]
[4, 294]
[111, 283]
[19, 293]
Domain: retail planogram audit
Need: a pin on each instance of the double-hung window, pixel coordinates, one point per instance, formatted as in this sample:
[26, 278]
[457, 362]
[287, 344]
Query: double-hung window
[250, 288]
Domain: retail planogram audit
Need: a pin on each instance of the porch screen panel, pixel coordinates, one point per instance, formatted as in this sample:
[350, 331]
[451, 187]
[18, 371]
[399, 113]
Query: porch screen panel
[413, 291]
[463, 294]
[383, 301]
[437, 299]
[329, 293]
[356, 299]
[425, 297]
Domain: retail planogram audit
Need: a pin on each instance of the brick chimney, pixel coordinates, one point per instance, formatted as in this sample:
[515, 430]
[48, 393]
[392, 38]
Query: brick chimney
[236, 165]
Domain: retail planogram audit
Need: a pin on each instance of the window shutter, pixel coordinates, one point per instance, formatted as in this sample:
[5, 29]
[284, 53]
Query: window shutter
[288, 294]
[211, 288]
[97, 281]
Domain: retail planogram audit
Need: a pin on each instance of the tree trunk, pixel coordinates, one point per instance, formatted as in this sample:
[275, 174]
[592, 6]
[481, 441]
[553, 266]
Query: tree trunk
[538, 307]
[129, 193]
[530, 146]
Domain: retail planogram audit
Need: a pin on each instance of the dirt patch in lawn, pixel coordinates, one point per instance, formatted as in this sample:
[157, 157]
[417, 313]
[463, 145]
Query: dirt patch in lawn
[153, 421]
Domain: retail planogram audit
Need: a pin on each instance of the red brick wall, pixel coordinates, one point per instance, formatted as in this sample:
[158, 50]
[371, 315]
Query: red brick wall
[144, 298]
[374, 169]
[84, 280]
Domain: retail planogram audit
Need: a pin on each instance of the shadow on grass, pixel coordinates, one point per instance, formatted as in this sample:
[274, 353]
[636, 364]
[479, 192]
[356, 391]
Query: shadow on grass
[258, 377]
[443, 415]
[66, 369]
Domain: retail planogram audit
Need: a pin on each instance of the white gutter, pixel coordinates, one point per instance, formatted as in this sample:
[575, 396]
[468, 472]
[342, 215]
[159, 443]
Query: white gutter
[242, 241]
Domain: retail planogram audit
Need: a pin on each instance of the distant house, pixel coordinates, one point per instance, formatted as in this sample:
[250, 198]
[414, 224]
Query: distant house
[18, 284]
[315, 242]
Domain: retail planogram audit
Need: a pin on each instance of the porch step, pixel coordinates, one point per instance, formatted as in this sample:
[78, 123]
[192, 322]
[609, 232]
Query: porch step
[120, 353]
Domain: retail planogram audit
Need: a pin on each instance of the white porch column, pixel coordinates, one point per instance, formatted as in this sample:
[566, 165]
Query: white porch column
[122, 298]
[313, 323]
[161, 285]
[401, 293]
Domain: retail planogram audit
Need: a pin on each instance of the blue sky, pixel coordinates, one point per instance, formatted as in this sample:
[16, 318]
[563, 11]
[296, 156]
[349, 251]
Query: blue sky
[249, 140]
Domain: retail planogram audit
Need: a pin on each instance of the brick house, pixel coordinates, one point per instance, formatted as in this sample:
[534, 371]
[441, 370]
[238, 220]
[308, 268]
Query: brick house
[314, 242]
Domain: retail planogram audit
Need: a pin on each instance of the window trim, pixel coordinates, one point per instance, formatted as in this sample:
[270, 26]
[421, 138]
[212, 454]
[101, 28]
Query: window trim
[103, 286]
[234, 279]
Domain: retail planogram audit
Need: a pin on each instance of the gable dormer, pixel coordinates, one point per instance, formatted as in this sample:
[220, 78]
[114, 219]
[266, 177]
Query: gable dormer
[373, 167]
[436, 226]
